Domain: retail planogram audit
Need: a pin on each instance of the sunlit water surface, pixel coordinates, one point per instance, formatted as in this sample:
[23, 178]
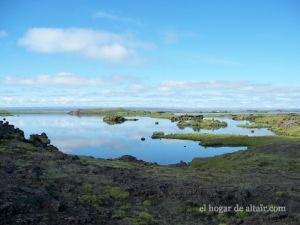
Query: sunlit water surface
[90, 136]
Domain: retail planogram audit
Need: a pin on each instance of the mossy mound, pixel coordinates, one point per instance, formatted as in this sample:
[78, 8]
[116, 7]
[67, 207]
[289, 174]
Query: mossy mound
[114, 119]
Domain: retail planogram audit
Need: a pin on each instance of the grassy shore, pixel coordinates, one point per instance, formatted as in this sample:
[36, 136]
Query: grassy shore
[210, 140]
[281, 124]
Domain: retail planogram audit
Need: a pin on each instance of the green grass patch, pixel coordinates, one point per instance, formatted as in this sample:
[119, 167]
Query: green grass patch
[90, 199]
[87, 187]
[145, 216]
[241, 215]
[117, 193]
[5, 113]
[215, 140]
[281, 124]
[147, 202]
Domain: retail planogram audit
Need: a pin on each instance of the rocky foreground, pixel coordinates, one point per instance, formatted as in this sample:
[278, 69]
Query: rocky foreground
[41, 185]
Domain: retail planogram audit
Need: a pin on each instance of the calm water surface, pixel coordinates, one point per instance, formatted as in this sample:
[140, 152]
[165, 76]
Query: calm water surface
[90, 136]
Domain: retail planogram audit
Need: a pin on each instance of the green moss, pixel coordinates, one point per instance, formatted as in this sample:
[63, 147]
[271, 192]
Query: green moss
[241, 215]
[117, 193]
[118, 214]
[223, 218]
[133, 221]
[90, 199]
[145, 216]
[87, 187]
[196, 211]
[147, 202]
[279, 194]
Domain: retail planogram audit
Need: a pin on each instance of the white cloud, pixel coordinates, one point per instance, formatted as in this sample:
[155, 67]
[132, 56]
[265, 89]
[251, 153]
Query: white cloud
[3, 33]
[107, 46]
[169, 85]
[52, 90]
[109, 16]
[63, 79]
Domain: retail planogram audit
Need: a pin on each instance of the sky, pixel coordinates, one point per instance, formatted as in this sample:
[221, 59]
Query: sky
[179, 54]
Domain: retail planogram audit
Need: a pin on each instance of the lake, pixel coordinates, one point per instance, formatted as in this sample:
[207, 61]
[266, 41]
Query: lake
[90, 136]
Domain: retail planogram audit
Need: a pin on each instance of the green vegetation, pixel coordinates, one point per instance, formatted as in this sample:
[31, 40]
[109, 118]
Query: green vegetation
[42, 138]
[203, 124]
[5, 113]
[187, 117]
[145, 216]
[241, 215]
[254, 125]
[147, 202]
[112, 119]
[90, 199]
[281, 124]
[117, 193]
[211, 140]
[222, 218]
[120, 112]
[87, 187]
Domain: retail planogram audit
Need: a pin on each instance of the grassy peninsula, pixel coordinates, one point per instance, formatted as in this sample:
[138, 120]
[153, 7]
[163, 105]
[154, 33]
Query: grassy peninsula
[282, 124]
[213, 140]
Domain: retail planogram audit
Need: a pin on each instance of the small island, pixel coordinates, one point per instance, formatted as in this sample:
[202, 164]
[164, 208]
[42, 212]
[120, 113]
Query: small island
[114, 119]
[197, 122]
[203, 124]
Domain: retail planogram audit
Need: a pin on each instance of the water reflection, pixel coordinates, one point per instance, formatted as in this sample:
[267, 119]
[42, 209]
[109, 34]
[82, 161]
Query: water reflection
[91, 136]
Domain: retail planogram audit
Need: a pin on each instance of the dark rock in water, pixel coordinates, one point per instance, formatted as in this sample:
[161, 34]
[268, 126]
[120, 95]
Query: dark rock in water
[156, 123]
[184, 146]
[143, 139]
[252, 131]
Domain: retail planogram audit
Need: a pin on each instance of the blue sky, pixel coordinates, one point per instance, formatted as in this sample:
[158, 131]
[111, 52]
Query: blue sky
[218, 54]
